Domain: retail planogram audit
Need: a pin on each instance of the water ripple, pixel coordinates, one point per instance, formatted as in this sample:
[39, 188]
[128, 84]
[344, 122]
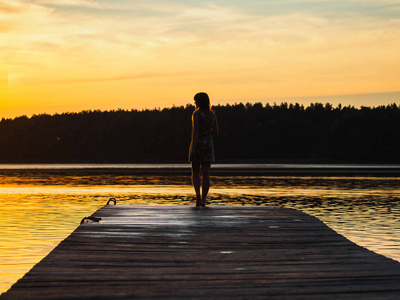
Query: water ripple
[38, 210]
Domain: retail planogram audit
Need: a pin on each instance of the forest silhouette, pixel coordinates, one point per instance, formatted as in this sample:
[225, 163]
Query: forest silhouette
[256, 133]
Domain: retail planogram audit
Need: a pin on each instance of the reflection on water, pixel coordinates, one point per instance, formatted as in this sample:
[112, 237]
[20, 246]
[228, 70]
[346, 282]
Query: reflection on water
[38, 210]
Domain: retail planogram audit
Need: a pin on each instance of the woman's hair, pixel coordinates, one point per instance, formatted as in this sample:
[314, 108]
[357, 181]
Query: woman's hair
[202, 101]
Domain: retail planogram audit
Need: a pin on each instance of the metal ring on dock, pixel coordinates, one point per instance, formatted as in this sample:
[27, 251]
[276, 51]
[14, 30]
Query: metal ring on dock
[94, 219]
[111, 200]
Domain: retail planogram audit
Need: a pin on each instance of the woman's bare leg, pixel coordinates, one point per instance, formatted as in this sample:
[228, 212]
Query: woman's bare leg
[205, 170]
[196, 181]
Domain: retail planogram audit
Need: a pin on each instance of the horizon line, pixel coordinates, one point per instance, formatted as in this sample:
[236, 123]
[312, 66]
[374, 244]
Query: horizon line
[263, 101]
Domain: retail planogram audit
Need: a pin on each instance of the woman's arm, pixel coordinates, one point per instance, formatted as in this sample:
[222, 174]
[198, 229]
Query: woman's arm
[195, 132]
[214, 129]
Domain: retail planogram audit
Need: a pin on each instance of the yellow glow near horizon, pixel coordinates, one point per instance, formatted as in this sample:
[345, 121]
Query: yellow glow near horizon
[66, 55]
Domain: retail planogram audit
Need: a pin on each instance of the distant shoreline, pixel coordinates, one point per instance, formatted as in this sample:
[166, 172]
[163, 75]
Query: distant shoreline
[315, 170]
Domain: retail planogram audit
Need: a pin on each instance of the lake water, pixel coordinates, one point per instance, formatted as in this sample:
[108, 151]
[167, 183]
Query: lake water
[40, 208]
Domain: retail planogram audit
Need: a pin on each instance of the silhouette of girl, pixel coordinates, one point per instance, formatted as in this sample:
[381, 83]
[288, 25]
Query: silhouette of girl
[201, 152]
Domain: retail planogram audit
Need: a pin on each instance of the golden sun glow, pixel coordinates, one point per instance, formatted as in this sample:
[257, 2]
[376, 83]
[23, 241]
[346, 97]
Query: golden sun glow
[72, 55]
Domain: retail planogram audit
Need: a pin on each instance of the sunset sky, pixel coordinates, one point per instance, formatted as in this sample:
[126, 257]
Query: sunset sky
[73, 55]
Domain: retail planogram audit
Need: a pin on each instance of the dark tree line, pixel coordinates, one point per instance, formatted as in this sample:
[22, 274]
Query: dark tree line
[248, 133]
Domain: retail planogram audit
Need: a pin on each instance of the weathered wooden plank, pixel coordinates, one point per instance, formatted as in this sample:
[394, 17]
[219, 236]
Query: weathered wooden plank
[217, 252]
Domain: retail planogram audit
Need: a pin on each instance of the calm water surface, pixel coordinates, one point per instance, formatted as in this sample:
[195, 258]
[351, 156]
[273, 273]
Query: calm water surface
[40, 209]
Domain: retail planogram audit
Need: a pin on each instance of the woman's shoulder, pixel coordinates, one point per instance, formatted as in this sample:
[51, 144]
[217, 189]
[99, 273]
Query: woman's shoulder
[203, 114]
[212, 113]
[196, 113]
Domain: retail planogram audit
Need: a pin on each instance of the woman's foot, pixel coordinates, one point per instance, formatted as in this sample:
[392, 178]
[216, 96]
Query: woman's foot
[198, 201]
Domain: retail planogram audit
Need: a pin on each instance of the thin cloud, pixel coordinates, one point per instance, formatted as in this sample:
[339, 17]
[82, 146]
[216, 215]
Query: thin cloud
[75, 3]
[118, 78]
[10, 6]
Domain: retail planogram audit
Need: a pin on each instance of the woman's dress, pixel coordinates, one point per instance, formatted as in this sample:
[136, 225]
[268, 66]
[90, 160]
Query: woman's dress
[204, 149]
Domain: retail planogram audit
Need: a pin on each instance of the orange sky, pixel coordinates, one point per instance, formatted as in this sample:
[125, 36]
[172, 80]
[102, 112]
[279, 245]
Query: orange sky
[73, 55]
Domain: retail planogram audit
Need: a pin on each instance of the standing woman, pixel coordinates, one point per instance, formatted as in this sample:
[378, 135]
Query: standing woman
[201, 153]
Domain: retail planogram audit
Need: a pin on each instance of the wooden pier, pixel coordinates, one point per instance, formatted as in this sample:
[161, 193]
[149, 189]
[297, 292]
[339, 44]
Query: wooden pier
[230, 252]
